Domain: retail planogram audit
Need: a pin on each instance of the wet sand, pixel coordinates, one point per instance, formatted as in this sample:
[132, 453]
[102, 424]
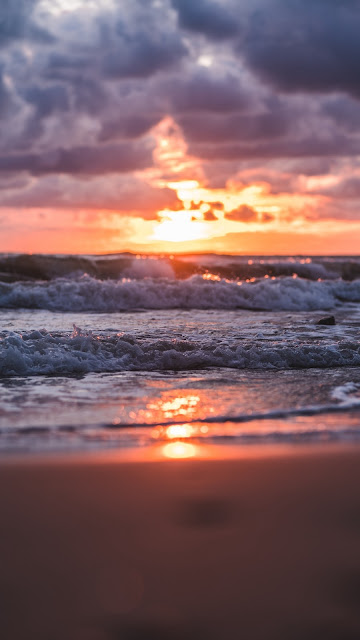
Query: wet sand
[261, 544]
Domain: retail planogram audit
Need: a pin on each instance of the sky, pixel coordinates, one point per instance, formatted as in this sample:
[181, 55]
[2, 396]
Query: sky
[180, 125]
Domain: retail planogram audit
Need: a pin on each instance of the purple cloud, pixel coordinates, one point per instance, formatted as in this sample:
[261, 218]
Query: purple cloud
[244, 213]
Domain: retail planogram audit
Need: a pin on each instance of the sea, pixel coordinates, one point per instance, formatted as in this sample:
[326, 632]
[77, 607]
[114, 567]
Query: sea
[125, 351]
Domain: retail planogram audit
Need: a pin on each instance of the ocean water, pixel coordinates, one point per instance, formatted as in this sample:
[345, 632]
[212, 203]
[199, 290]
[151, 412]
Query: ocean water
[127, 351]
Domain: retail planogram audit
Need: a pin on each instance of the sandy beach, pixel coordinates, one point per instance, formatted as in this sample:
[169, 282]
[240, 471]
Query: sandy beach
[248, 543]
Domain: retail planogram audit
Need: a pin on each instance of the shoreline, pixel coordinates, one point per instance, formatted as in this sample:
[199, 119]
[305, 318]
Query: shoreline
[156, 452]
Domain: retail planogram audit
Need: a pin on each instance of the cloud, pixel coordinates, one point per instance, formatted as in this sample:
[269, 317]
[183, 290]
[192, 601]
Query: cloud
[244, 213]
[205, 90]
[261, 92]
[206, 17]
[129, 126]
[47, 100]
[5, 97]
[123, 194]
[142, 54]
[14, 17]
[209, 216]
[304, 46]
[121, 157]
[17, 22]
[215, 129]
[339, 145]
[344, 112]
[348, 189]
[218, 205]
[267, 217]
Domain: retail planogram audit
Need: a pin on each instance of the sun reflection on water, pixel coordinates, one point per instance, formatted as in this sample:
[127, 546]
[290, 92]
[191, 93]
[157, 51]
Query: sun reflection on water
[176, 431]
[170, 407]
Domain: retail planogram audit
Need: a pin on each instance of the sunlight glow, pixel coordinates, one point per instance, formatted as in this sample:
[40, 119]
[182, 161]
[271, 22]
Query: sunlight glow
[183, 185]
[211, 276]
[179, 450]
[57, 7]
[179, 431]
[187, 227]
[177, 226]
[205, 60]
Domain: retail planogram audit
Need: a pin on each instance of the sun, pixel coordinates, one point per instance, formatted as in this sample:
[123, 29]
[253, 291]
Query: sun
[179, 226]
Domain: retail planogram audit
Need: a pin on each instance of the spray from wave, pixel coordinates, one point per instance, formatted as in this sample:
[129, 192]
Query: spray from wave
[42, 353]
[197, 292]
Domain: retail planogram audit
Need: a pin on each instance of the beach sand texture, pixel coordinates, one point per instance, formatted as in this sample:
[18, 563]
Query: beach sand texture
[260, 544]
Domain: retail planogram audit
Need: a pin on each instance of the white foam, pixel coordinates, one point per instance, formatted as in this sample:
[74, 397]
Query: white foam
[145, 267]
[346, 394]
[42, 353]
[89, 294]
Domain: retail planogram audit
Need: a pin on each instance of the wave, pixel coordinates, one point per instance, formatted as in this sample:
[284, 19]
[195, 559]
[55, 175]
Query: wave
[42, 353]
[197, 292]
[14, 268]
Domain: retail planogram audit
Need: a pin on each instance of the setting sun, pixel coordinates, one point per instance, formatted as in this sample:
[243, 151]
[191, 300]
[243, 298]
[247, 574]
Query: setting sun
[179, 226]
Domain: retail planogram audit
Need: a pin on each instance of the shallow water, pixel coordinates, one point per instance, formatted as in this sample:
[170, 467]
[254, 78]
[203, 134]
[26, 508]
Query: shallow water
[101, 377]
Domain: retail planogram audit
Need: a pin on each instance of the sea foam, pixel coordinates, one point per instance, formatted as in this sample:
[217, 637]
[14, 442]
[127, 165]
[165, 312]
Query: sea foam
[42, 353]
[197, 292]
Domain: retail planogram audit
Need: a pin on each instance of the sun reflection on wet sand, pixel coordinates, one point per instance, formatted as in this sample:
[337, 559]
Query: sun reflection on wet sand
[179, 449]
[177, 433]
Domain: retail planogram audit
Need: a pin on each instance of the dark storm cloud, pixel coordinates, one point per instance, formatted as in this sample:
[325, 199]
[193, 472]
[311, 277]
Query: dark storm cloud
[205, 90]
[304, 46]
[81, 160]
[207, 17]
[141, 55]
[67, 66]
[89, 95]
[293, 45]
[47, 100]
[128, 126]
[244, 213]
[307, 147]
[311, 166]
[215, 129]
[85, 104]
[135, 41]
[80, 76]
[5, 98]
[14, 19]
[16, 23]
[344, 112]
[139, 40]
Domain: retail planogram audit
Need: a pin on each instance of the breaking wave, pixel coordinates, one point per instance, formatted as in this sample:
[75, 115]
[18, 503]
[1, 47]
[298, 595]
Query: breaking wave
[42, 353]
[197, 292]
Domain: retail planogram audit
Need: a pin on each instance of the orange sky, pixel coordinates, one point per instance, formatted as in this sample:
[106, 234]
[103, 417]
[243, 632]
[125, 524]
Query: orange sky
[245, 218]
[171, 126]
